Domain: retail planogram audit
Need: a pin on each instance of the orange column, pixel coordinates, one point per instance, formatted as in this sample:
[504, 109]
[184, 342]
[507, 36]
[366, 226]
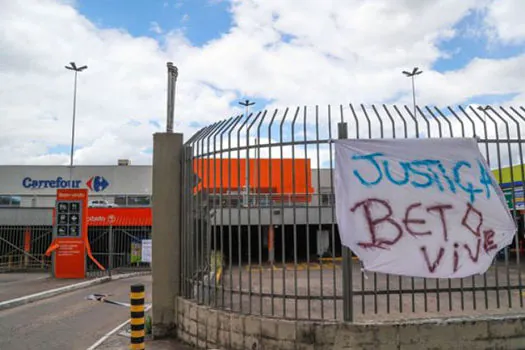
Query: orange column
[271, 239]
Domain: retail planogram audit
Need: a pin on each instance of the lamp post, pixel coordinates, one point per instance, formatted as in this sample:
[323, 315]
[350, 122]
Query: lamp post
[246, 104]
[412, 75]
[484, 109]
[72, 66]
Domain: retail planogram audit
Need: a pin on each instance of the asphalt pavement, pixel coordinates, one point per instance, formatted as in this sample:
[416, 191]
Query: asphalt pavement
[68, 321]
[15, 285]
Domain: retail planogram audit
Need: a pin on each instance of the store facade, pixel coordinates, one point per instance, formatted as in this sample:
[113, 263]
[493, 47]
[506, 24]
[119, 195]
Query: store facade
[35, 186]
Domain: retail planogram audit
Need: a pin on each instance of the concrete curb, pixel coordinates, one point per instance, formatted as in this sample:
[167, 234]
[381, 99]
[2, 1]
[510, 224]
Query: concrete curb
[8, 304]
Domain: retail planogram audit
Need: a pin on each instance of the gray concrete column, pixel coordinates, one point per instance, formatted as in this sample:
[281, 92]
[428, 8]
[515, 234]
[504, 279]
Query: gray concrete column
[166, 209]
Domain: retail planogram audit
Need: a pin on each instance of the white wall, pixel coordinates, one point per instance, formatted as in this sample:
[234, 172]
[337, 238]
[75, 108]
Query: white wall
[26, 216]
[121, 179]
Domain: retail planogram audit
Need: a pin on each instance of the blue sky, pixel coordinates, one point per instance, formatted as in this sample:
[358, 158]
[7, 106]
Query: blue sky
[469, 43]
[204, 20]
[200, 20]
[273, 52]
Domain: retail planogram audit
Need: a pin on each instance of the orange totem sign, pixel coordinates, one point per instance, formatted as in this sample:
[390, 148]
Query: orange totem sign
[70, 234]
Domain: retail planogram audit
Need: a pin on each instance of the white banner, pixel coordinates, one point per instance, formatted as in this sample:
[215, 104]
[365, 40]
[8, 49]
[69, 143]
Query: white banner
[146, 250]
[420, 207]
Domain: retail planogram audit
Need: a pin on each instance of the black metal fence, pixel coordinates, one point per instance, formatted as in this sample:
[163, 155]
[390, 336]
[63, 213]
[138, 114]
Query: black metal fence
[259, 232]
[118, 249]
[22, 248]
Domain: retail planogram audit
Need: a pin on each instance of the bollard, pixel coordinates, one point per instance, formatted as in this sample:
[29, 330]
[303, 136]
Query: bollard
[137, 297]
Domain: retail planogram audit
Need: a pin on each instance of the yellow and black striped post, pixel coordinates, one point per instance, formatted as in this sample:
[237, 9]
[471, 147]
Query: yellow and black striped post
[137, 296]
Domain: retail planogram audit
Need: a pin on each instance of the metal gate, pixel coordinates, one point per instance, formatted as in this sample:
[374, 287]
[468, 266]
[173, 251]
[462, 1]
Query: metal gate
[22, 248]
[118, 249]
[259, 232]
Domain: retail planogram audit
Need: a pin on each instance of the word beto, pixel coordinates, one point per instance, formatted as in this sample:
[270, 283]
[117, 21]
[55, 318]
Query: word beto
[484, 237]
[58, 183]
[426, 173]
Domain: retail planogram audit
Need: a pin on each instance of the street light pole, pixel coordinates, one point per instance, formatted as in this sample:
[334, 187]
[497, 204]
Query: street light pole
[412, 75]
[246, 105]
[76, 69]
[484, 109]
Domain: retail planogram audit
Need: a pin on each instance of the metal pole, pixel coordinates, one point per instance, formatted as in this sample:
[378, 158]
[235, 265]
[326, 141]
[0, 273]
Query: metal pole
[257, 161]
[412, 75]
[246, 105]
[73, 131]
[414, 94]
[247, 162]
[172, 81]
[111, 247]
[484, 110]
[348, 290]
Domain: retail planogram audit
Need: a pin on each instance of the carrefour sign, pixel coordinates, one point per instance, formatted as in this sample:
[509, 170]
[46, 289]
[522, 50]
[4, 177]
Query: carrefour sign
[94, 183]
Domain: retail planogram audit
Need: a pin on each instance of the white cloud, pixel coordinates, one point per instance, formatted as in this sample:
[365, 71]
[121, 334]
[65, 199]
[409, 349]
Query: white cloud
[505, 20]
[317, 53]
[155, 28]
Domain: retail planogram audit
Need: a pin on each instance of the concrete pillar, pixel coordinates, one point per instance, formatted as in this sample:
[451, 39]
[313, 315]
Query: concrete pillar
[166, 211]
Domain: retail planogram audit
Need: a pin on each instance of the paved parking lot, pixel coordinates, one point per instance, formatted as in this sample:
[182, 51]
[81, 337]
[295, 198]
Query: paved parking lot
[316, 293]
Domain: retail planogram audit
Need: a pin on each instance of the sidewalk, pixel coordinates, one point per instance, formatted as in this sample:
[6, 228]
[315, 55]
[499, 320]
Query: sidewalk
[119, 341]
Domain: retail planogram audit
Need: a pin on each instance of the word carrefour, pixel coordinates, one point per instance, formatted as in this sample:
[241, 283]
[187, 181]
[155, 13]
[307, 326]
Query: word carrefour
[95, 183]
[56, 183]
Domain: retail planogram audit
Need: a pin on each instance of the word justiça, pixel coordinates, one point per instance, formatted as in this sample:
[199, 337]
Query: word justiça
[426, 173]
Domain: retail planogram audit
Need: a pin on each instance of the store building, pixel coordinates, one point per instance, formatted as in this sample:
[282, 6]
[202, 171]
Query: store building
[35, 186]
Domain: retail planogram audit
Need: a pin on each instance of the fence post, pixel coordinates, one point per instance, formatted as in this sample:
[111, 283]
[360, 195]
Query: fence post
[111, 247]
[138, 332]
[348, 290]
[166, 230]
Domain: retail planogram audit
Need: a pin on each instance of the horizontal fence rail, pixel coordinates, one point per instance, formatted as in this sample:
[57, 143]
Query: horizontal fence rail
[259, 231]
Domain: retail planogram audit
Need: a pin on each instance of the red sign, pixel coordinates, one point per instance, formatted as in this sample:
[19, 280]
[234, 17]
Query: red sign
[70, 258]
[119, 217]
[116, 217]
[70, 239]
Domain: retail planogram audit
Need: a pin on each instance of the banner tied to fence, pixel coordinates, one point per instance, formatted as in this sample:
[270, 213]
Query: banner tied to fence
[420, 207]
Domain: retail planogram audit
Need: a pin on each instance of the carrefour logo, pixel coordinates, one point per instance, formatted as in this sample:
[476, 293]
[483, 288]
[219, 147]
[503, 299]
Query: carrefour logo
[95, 183]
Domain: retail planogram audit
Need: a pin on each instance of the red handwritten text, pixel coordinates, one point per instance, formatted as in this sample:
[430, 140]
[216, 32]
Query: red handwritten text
[378, 213]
